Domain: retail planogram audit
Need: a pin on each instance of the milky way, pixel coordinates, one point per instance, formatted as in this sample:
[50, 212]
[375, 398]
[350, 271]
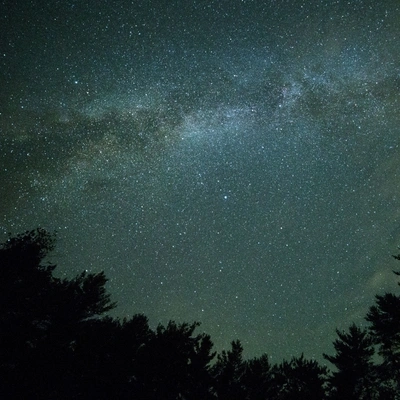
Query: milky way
[234, 163]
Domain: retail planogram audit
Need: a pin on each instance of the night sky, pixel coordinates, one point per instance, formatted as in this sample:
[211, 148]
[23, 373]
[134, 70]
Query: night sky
[233, 162]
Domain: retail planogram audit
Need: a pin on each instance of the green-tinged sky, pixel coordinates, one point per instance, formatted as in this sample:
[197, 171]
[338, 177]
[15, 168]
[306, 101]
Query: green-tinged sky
[232, 162]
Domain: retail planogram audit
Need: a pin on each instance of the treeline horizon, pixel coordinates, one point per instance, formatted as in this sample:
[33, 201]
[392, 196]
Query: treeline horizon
[57, 343]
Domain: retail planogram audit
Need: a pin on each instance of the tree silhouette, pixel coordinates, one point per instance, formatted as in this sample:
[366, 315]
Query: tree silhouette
[174, 364]
[300, 379]
[257, 379]
[384, 317]
[354, 378]
[40, 315]
[228, 372]
[104, 357]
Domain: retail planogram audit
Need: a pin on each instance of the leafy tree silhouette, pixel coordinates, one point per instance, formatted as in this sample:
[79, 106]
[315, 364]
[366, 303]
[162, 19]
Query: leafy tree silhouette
[300, 379]
[228, 373]
[40, 314]
[355, 375]
[175, 364]
[104, 356]
[257, 379]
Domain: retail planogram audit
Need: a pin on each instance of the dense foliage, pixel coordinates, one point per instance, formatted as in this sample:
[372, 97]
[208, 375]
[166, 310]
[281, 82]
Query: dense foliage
[56, 343]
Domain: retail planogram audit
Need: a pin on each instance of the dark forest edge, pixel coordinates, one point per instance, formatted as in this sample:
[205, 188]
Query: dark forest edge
[56, 343]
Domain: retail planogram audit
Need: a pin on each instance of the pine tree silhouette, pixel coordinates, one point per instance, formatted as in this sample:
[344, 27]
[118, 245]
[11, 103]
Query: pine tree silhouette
[355, 375]
[384, 317]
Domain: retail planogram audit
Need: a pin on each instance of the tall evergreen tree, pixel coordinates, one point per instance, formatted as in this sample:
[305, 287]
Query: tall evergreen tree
[354, 378]
[384, 317]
